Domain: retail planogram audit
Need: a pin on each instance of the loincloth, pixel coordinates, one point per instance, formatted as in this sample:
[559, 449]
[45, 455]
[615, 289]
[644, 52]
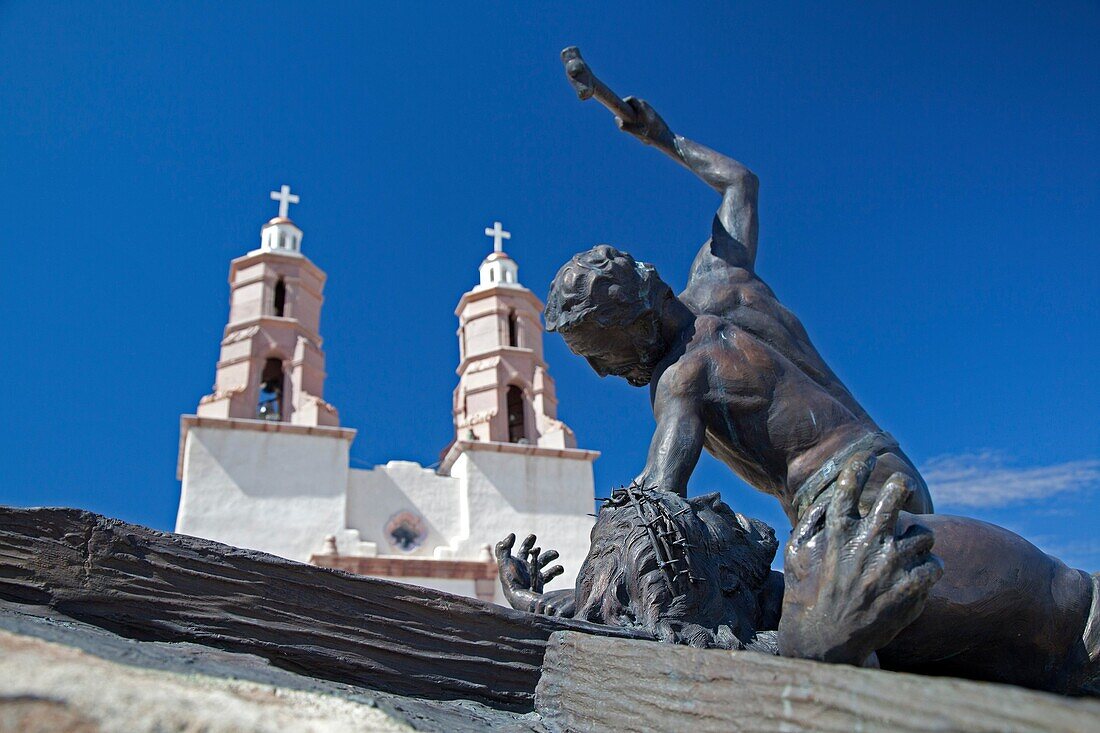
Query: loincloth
[821, 480]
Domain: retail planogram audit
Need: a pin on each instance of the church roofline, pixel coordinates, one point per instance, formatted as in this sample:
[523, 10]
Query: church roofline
[458, 447]
[260, 426]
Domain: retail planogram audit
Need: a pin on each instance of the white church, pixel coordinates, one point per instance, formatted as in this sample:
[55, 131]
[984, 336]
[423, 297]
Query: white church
[264, 461]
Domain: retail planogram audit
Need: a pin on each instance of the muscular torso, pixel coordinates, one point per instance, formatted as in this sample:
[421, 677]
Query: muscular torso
[772, 409]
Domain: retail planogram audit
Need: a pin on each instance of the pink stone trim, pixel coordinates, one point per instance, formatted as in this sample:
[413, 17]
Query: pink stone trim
[509, 291]
[459, 446]
[388, 566]
[262, 256]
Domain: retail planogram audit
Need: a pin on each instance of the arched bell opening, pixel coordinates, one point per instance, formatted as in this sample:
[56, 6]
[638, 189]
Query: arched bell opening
[279, 299]
[513, 329]
[270, 404]
[517, 428]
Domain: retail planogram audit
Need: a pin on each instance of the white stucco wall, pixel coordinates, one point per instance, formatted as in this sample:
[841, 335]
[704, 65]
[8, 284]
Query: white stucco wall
[487, 495]
[278, 492]
[378, 494]
[284, 489]
[527, 494]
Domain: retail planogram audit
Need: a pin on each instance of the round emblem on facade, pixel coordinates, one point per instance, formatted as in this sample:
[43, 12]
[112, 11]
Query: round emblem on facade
[406, 531]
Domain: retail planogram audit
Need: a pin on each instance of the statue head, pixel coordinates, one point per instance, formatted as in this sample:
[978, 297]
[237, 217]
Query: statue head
[607, 307]
[701, 567]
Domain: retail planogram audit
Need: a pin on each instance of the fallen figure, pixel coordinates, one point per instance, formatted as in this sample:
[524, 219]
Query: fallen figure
[858, 589]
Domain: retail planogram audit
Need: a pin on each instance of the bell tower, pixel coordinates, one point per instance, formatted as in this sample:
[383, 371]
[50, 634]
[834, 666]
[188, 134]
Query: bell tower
[505, 393]
[271, 365]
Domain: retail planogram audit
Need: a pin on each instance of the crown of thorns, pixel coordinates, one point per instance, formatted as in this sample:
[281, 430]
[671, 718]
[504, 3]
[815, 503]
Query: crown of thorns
[664, 533]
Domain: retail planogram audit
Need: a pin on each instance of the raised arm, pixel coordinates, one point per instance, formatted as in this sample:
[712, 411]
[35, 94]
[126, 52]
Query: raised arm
[737, 226]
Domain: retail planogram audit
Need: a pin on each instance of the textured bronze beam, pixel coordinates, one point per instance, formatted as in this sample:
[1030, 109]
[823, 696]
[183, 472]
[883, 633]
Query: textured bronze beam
[329, 624]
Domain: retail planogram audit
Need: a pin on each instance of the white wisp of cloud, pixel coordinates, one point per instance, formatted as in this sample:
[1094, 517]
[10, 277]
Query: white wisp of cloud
[986, 479]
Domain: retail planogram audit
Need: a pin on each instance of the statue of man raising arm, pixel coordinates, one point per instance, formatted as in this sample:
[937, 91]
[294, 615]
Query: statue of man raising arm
[732, 371]
[729, 368]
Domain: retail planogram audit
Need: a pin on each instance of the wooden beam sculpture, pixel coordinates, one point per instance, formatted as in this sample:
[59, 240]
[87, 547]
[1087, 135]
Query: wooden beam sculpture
[387, 636]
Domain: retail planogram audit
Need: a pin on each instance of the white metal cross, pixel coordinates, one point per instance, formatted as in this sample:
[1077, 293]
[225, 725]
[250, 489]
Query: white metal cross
[285, 199]
[499, 235]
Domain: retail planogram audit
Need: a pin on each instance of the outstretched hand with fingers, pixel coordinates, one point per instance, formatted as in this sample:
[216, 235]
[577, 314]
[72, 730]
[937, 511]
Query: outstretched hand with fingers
[852, 582]
[524, 575]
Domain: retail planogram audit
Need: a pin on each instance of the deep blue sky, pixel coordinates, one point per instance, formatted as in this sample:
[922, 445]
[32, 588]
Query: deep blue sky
[930, 204]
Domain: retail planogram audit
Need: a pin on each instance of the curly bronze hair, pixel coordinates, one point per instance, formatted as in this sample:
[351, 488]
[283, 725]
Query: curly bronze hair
[601, 285]
[604, 290]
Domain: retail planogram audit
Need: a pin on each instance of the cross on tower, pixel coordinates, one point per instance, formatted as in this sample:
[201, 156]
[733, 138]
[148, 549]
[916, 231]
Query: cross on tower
[499, 235]
[285, 199]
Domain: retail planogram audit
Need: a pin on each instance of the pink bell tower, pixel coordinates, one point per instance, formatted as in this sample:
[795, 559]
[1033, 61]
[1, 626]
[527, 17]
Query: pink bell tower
[505, 393]
[271, 365]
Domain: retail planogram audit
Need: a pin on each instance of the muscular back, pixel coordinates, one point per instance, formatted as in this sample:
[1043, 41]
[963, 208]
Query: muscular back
[771, 439]
[723, 283]
[773, 409]
[760, 412]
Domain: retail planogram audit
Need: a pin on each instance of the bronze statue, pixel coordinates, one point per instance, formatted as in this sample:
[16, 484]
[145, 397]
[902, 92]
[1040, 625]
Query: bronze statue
[732, 371]
[861, 589]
